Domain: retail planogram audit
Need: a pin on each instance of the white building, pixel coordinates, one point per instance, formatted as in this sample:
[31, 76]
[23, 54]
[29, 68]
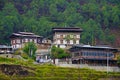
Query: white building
[63, 37]
[19, 39]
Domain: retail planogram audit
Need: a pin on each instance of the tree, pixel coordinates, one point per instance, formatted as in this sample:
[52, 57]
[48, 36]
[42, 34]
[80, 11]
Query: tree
[118, 61]
[110, 38]
[39, 16]
[30, 49]
[92, 32]
[58, 53]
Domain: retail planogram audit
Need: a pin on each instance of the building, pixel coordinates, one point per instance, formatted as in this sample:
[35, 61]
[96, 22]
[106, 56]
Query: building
[43, 51]
[63, 37]
[19, 39]
[46, 41]
[94, 55]
[5, 49]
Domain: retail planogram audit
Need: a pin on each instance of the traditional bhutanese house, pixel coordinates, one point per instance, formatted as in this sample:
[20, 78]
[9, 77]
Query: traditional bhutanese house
[43, 51]
[64, 37]
[94, 55]
[19, 39]
[5, 49]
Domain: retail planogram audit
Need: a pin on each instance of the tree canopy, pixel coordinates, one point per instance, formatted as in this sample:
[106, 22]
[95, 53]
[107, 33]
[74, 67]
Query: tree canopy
[30, 49]
[39, 16]
[59, 53]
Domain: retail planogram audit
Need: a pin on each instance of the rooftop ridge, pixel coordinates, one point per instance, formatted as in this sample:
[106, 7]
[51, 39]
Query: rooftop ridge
[65, 27]
[68, 29]
[27, 33]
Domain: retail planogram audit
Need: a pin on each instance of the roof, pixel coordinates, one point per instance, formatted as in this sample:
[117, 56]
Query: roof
[24, 34]
[93, 47]
[67, 29]
[4, 46]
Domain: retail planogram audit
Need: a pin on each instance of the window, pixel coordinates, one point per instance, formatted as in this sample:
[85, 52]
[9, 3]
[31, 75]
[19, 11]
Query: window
[13, 41]
[63, 36]
[39, 40]
[78, 36]
[35, 41]
[26, 40]
[58, 41]
[71, 36]
[58, 36]
[71, 41]
[30, 40]
[64, 41]
[18, 40]
[77, 41]
[74, 36]
[111, 55]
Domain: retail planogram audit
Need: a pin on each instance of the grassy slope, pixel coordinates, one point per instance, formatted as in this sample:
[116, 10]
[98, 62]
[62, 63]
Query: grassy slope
[51, 72]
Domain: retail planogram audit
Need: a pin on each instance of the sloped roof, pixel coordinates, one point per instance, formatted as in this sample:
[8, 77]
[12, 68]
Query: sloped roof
[4, 46]
[67, 29]
[24, 34]
[93, 47]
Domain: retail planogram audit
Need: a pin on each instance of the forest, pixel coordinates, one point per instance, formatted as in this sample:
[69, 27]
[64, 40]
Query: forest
[99, 19]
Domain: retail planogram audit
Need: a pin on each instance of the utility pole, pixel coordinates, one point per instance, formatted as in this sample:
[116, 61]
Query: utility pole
[107, 61]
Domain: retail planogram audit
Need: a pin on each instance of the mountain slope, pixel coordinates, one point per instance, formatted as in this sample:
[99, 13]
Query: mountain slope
[95, 17]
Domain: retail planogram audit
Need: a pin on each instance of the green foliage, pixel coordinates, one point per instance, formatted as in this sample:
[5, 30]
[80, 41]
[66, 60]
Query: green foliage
[92, 32]
[30, 49]
[58, 53]
[67, 38]
[51, 72]
[118, 60]
[39, 16]
[4, 77]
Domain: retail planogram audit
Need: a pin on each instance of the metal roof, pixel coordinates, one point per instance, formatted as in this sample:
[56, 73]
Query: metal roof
[25, 34]
[28, 33]
[93, 47]
[4, 46]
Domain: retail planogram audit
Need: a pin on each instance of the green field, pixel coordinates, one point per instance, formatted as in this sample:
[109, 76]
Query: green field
[14, 69]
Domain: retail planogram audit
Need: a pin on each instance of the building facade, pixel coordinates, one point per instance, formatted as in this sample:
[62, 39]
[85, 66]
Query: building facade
[19, 39]
[5, 49]
[43, 51]
[63, 37]
[94, 55]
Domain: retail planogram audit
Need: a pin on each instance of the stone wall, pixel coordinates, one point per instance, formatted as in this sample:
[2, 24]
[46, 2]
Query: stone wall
[98, 68]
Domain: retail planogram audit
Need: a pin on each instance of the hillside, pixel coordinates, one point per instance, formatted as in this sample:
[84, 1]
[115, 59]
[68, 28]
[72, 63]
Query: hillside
[116, 32]
[14, 69]
[98, 18]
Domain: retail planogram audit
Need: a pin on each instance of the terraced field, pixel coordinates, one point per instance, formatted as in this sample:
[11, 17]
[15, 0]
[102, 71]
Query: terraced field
[13, 69]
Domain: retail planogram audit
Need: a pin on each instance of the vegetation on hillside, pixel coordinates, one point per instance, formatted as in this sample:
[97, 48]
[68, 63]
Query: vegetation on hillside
[14, 69]
[95, 17]
[118, 61]
[59, 53]
[30, 49]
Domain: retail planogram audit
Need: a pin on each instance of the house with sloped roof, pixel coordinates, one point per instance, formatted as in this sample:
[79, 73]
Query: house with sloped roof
[94, 55]
[67, 36]
[5, 49]
[19, 39]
